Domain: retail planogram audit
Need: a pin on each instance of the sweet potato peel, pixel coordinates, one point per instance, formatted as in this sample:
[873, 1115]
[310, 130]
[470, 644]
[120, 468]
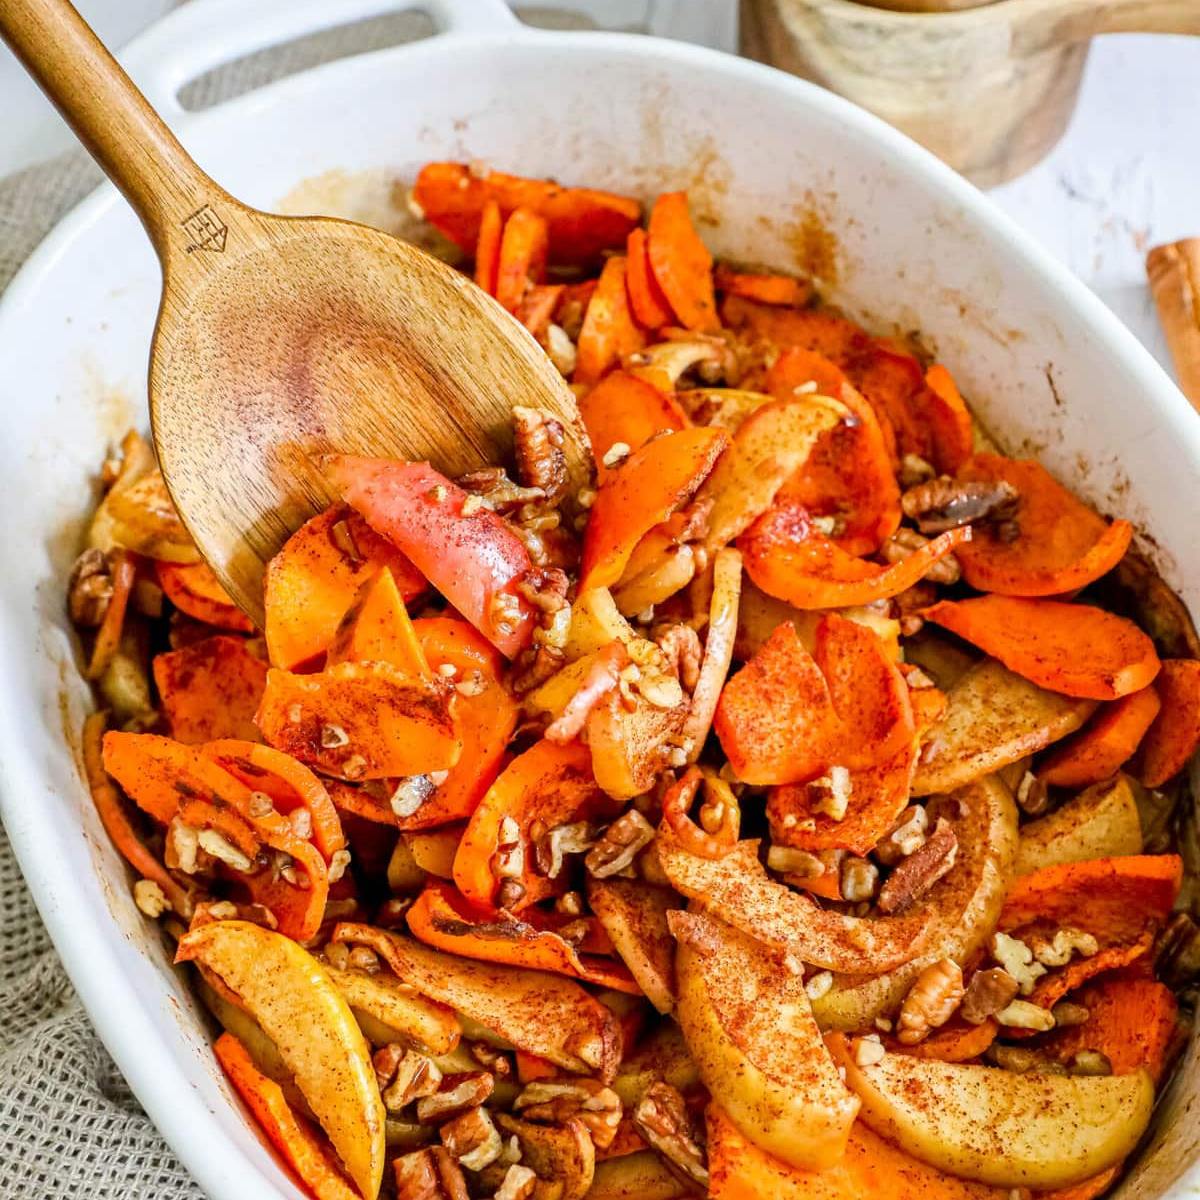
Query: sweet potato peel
[1074, 649]
[1060, 545]
[1173, 737]
[681, 263]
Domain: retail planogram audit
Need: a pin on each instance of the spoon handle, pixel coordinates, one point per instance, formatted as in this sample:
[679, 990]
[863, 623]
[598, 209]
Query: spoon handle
[116, 123]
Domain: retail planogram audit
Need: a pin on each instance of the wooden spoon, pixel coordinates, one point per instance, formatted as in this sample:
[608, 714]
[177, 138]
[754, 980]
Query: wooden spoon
[279, 338]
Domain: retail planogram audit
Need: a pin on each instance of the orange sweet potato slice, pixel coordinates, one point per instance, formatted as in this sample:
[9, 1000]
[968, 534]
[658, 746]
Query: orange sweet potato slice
[609, 331]
[485, 715]
[1105, 744]
[523, 249]
[954, 1042]
[537, 308]
[316, 575]
[377, 628]
[775, 717]
[892, 380]
[766, 288]
[1132, 1022]
[788, 559]
[302, 1148]
[833, 337]
[622, 408]
[211, 689]
[1050, 989]
[1074, 649]
[155, 772]
[441, 917]
[681, 263]
[487, 247]
[1061, 544]
[551, 783]
[848, 475]
[118, 826]
[582, 222]
[650, 306]
[361, 721]
[1173, 737]
[941, 409]
[194, 590]
[649, 486]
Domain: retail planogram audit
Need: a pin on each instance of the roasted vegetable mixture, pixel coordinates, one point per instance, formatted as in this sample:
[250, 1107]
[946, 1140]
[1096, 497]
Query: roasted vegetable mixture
[792, 813]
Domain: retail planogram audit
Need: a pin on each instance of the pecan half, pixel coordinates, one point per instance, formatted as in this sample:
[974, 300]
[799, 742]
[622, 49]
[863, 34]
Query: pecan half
[920, 870]
[944, 503]
[472, 1139]
[904, 543]
[556, 1101]
[456, 1094]
[931, 1001]
[661, 1117]
[89, 589]
[619, 845]
[538, 442]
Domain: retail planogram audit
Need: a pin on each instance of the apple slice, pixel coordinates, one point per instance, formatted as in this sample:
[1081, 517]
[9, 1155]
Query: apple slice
[291, 997]
[747, 1022]
[661, 1055]
[634, 915]
[738, 890]
[965, 905]
[1101, 822]
[640, 1176]
[546, 1015]
[999, 1127]
[430, 1027]
[993, 717]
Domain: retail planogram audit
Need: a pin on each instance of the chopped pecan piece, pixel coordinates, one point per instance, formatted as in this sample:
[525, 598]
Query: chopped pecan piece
[681, 645]
[1058, 950]
[499, 492]
[456, 1094]
[519, 1181]
[920, 870]
[1017, 959]
[904, 543]
[494, 1060]
[988, 992]
[555, 1101]
[661, 1117]
[538, 442]
[1177, 952]
[1032, 797]
[619, 845]
[89, 589]
[859, 879]
[553, 846]
[931, 1001]
[944, 503]
[404, 1076]
[472, 1139]
[906, 836]
[1023, 1061]
[1021, 1014]
[429, 1174]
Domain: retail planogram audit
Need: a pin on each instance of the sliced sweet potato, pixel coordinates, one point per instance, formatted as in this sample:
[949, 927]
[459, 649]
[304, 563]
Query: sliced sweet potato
[377, 628]
[582, 222]
[737, 890]
[1101, 822]
[1074, 649]
[650, 306]
[788, 558]
[551, 783]
[956, 1041]
[622, 408]
[1131, 954]
[1061, 544]
[609, 331]
[485, 715]
[892, 380]
[211, 689]
[1132, 1022]
[307, 1153]
[769, 447]
[543, 1014]
[993, 717]
[538, 306]
[314, 578]
[775, 717]
[442, 918]
[1104, 745]
[522, 262]
[487, 247]
[848, 476]
[681, 263]
[193, 589]
[834, 337]
[766, 288]
[650, 485]
[111, 810]
[941, 409]
[361, 721]
[1173, 737]
[878, 794]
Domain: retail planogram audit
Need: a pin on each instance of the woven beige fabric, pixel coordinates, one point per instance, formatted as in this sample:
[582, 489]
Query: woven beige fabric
[69, 1127]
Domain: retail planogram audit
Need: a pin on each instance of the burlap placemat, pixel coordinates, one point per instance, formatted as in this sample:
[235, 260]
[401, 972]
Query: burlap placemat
[70, 1129]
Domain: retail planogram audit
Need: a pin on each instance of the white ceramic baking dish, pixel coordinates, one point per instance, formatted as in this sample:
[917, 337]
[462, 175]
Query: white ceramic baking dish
[780, 171]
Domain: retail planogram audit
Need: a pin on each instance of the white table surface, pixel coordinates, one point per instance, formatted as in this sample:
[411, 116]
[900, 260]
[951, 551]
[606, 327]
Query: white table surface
[1125, 177]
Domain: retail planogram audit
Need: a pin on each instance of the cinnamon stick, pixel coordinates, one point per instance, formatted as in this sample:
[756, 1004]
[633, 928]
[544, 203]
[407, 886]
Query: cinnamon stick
[1174, 272]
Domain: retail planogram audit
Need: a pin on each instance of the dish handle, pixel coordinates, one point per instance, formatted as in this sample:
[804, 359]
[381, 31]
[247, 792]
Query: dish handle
[202, 35]
[1044, 24]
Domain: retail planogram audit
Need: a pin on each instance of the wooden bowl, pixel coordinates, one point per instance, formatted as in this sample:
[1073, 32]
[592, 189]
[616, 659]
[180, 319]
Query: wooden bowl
[988, 88]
